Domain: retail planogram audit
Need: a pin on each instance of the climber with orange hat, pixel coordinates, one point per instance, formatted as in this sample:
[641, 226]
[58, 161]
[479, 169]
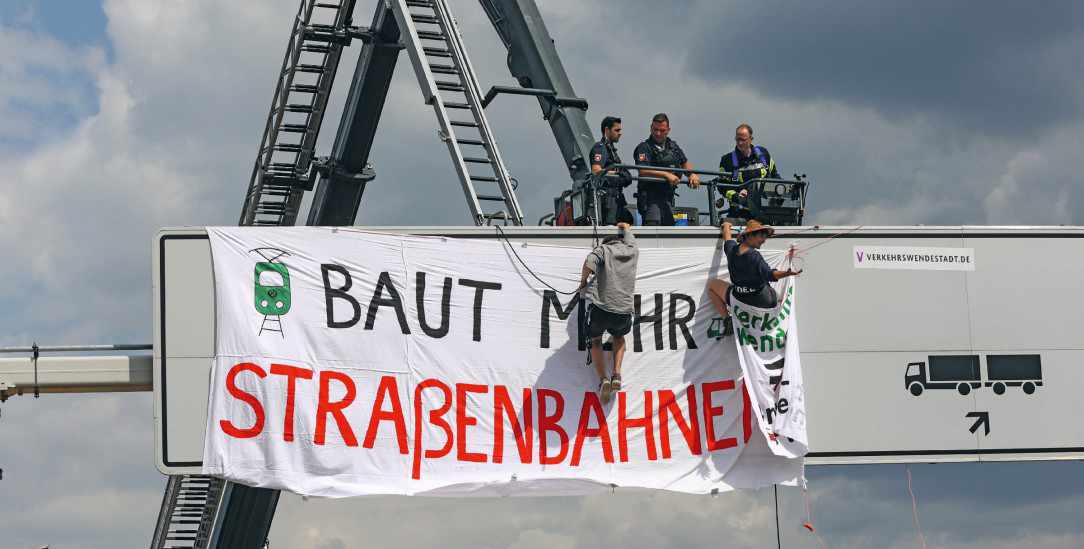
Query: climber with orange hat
[750, 276]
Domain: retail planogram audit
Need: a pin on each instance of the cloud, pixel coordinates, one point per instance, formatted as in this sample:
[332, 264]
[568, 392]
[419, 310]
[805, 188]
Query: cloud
[42, 85]
[959, 505]
[78, 471]
[627, 519]
[973, 65]
[900, 113]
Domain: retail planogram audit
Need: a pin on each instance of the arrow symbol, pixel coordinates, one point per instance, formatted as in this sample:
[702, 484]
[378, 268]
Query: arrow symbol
[983, 419]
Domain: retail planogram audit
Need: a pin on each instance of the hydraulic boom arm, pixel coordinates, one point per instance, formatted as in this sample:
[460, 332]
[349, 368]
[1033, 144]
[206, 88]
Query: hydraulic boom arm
[534, 62]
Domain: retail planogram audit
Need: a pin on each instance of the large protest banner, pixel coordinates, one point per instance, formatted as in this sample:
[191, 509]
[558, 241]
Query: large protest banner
[353, 363]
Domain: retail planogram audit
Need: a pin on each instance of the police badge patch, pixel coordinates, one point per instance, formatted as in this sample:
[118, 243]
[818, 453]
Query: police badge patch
[598, 158]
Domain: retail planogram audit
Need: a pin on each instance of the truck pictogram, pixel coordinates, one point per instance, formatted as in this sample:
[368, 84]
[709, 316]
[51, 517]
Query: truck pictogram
[1024, 371]
[964, 373]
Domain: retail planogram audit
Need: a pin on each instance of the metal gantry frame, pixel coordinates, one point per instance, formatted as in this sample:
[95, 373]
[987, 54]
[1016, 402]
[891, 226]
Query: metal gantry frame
[201, 512]
[340, 178]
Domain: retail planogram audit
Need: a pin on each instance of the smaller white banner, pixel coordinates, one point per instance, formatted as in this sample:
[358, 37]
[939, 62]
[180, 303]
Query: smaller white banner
[914, 258]
[767, 339]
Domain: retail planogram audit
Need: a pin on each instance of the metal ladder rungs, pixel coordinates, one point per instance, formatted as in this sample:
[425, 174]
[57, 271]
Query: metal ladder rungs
[278, 192]
[449, 86]
[305, 88]
[275, 182]
[316, 48]
[430, 35]
[294, 128]
[305, 67]
[299, 108]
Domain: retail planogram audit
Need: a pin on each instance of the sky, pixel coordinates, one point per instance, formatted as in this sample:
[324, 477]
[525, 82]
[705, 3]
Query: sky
[122, 117]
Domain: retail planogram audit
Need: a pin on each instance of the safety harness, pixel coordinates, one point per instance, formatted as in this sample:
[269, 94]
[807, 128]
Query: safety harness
[734, 160]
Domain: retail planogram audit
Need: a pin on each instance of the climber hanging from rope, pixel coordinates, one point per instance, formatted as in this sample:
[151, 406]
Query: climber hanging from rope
[611, 301]
[750, 276]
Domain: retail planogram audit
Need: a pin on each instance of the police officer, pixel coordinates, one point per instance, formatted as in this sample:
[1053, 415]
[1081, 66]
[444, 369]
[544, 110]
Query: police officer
[654, 200]
[611, 196]
[746, 162]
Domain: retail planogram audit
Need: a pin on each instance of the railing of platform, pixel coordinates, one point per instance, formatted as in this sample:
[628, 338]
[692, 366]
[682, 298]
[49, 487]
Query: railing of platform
[781, 201]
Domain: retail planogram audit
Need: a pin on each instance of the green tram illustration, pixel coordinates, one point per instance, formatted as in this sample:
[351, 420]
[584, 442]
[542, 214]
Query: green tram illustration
[715, 329]
[271, 282]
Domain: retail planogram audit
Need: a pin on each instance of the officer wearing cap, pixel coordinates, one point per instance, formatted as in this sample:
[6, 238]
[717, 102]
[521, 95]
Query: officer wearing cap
[654, 200]
[611, 196]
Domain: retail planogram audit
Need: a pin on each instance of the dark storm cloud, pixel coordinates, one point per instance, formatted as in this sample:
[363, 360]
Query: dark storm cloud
[996, 68]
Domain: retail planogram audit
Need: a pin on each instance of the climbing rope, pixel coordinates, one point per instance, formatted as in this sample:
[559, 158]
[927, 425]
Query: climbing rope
[914, 505]
[504, 237]
[795, 251]
[813, 228]
[809, 517]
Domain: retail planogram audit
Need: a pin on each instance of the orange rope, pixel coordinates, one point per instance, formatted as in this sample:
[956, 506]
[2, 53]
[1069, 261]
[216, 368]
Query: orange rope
[914, 504]
[824, 241]
[809, 517]
[813, 228]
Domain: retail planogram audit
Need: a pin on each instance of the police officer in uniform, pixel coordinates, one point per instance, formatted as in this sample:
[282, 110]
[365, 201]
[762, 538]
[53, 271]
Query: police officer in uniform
[611, 194]
[746, 162]
[654, 200]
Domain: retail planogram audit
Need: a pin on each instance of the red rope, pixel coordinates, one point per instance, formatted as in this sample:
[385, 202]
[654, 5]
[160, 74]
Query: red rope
[813, 228]
[914, 504]
[809, 517]
[824, 241]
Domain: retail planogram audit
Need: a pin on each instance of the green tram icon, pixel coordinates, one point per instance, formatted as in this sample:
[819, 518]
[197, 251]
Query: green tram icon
[715, 329]
[271, 283]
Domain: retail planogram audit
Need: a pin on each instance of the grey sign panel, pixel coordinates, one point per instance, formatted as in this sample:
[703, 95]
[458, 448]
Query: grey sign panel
[900, 365]
[184, 341]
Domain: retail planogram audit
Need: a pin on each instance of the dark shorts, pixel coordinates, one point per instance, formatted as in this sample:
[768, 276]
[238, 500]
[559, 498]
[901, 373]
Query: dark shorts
[765, 298]
[600, 321]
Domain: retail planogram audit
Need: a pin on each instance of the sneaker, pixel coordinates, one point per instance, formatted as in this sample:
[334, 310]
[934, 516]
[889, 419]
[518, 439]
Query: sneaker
[615, 382]
[604, 389]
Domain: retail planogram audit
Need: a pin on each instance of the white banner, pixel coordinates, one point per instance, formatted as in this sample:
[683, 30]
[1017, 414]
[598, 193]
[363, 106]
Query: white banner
[768, 351]
[351, 363]
[914, 258]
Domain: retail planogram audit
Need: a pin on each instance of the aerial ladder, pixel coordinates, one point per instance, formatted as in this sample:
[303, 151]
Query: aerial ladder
[342, 176]
[448, 83]
[200, 511]
[281, 173]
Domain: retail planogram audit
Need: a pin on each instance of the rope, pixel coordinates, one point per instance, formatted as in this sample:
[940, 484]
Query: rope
[799, 251]
[521, 262]
[809, 517]
[914, 504]
[813, 228]
[778, 540]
